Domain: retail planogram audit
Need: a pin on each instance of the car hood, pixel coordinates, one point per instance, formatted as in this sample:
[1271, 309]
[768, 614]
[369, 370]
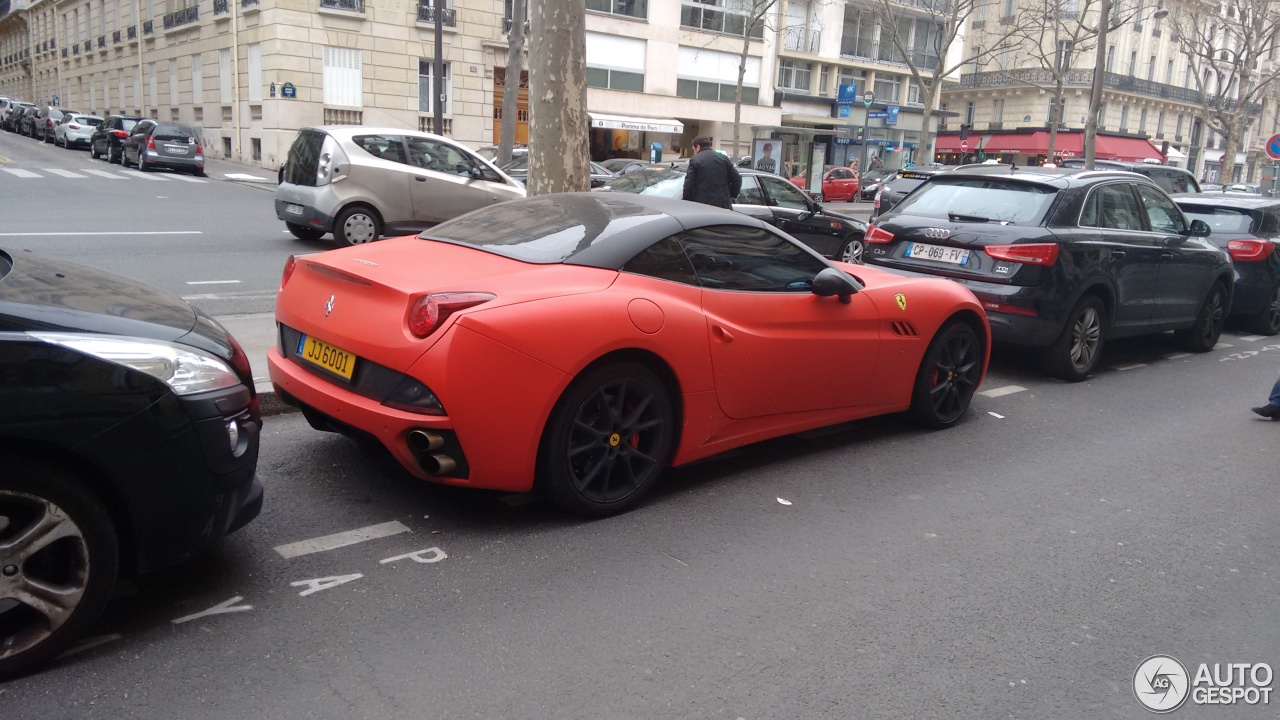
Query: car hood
[38, 293]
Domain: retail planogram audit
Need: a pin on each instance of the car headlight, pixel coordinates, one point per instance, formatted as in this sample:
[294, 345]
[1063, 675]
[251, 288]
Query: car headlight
[184, 369]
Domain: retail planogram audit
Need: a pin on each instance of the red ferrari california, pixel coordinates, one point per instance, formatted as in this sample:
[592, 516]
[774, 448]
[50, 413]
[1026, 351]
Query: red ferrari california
[580, 344]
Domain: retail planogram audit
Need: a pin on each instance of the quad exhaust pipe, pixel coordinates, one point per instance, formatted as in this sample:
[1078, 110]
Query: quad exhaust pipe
[424, 446]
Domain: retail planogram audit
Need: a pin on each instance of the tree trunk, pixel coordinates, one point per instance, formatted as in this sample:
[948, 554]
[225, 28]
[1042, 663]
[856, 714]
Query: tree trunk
[1053, 120]
[1095, 95]
[737, 97]
[1229, 141]
[559, 156]
[927, 138]
[511, 90]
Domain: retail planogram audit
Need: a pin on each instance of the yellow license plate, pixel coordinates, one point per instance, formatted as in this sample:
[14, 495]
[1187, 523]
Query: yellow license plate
[335, 360]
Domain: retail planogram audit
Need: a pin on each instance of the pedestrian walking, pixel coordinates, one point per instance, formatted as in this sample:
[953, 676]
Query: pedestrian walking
[712, 179]
[1272, 408]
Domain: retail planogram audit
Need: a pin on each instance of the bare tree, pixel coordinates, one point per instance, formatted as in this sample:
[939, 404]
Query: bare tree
[511, 85]
[1233, 49]
[758, 14]
[921, 32]
[559, 157]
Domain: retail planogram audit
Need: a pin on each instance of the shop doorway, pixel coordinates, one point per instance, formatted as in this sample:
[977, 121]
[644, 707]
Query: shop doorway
[522, 106]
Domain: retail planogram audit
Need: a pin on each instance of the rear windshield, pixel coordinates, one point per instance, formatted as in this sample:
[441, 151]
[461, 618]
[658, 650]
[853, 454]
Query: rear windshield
[172, 132]
[127, 124]
[1223, 220]
[91, 121]
[304, 158]
[979, 200]
[547, 229]
[666, 182]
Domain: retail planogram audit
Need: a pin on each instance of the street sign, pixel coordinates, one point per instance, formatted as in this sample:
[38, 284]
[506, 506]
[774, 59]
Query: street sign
[868, 97]
[288, 90]
[964, 146]
[848, 93]
[892, 117]
[878, 114]
[1273, 147]
[846, 111]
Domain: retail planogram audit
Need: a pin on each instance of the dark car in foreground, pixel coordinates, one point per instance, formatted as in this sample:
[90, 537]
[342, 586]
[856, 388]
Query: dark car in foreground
[1247, 227]
[1170, 179]
[1063, 260]
[108, 139]
[153, 144]
[128, 442]
[769, 198]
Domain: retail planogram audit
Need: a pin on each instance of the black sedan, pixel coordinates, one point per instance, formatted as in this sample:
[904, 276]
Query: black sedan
[108, 139]
[1247, 227]
[769, 198]
[518, 169]
[128, 441]
[894, 188]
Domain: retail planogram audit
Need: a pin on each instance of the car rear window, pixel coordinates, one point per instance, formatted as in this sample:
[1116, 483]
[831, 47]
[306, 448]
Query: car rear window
[126, 124]
[172, 132]
[304, 158]
[90, 121]
[1222, 219]
[543, 230]
[980, 199]
[383, 147]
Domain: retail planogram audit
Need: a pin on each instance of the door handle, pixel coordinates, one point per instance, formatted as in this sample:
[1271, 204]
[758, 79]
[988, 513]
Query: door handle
[722, 334]
[1167, 256]
[1117, 255]
[419, 178]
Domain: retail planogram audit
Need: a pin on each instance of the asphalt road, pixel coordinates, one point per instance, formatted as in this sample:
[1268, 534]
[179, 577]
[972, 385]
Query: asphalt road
[1019, 565]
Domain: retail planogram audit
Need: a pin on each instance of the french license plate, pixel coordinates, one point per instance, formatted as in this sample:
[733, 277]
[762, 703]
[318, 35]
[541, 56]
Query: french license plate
[937, 253]
[178, 150]
[335, 360]
[293, 209]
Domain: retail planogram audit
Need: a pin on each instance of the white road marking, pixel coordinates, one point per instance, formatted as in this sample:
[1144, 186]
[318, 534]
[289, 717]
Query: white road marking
[65, 173]
[186, 178]
[250, 178]
[998, 416]
[90, 643]
[783, 502]
[86, 234]
[227, 606]
[213, 282]
[316, 585]
[23, 173]
[419, 556]
[342, 539]
[1251, 338]
[103, 173]
[1176, 355]
[149, 176]
[1128, 366]
[1002, 391]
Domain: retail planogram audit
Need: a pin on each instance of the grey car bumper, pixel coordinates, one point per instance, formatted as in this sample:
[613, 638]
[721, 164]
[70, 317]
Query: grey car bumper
[301, 214]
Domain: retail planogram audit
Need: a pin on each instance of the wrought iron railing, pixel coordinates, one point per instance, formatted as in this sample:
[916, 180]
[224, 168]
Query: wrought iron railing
[248, 3]
[427, 14]
[102, 41]
[348, 5]
[116, 37]
[132, 32]
[64, 52]
[148, 27]
[181, 17]
[220, 7]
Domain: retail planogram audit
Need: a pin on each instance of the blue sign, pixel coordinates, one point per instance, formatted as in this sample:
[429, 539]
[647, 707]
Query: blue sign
[892, 117]
[845, 110]
[1273, 147]
[288, 90]
[878, 114]
[842, 141]
[848, 93]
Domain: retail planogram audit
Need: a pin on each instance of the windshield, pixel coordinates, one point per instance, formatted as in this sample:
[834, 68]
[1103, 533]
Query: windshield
[663, 182]
[978, 200]
[1221, 219]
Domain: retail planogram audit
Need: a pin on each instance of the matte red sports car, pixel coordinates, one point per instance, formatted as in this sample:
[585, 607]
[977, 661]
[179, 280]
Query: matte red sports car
[579, 344]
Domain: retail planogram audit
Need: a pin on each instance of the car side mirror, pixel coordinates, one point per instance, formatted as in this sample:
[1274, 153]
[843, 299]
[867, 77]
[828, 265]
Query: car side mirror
[831, 281]
[476, 173]
[1199, 228]
[804, 215]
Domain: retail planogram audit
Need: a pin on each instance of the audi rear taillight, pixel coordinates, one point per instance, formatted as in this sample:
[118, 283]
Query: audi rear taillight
[151, 144]
[289, 266]
[120, 133]
[878, 235]
[1029, 254]
[1249, 250]
[429, 312]
[878, 194]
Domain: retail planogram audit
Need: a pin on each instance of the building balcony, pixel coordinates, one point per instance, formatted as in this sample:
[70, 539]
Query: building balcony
[355, 6]
[1081, 77]
[427, 14]
[248, 3]
[148, 27]
[220, 7]
[102, 41]
[178, 18]
[132, 32]
[116, 37]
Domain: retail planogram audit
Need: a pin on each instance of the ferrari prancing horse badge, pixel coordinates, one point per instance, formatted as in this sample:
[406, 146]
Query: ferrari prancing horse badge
[902, 301]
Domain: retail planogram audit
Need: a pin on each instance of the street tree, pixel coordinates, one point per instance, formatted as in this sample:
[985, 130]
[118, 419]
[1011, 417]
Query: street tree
[511, 85]
[559, 156]
[1232, 48]
[920, 34]
[758, 15]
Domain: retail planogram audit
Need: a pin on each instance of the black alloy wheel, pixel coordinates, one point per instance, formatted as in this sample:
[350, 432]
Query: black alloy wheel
[948, 377]
[1267, 322]
[608, 440]
[93, 150]
[58, 562]
[1204, 334]
[1076, 351]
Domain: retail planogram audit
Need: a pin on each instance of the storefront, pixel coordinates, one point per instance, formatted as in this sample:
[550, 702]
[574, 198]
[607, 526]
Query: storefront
[1031, 147]
[621, 136]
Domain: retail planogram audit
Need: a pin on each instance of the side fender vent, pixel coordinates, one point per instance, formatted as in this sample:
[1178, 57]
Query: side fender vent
[902, 328]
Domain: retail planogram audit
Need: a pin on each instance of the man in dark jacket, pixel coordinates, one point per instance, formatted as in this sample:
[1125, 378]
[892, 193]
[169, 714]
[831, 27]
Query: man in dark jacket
[712, 179]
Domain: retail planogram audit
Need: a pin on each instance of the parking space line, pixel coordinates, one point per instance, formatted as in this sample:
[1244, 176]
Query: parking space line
[1128, 366]
[1002, 391]
[213, 282]
[78, 233]
[342, 539]
[22, 173]
[1250, 338]
[184, 178]
[1176, 355]
[149, 176]
[66, 173]
[103, 173]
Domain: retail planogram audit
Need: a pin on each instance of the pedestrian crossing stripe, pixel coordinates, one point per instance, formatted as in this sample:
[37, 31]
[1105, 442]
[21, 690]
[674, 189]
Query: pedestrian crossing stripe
[90, 173]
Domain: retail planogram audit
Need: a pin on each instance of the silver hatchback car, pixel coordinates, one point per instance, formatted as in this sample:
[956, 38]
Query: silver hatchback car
[361, 182]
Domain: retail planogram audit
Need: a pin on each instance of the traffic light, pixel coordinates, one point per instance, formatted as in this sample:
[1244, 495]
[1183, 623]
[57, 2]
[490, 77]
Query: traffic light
[964, 131]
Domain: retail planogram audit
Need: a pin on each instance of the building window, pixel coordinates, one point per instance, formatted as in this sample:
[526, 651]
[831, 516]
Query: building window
[1151, 69]
[426, 87]
[1111, 58]
[888, 88]
[343, 76]
[1063, 57]
[942, 118]
[1124, 118]
[1133, 63]
[968, 113]
[615, 63]
[1102, 116]
[859, 36]
[712, 75]
[173, 83]
[255, 72]
[615, 79]
[722, 16]
[1177, 132]
[712, 90]
[1160, 125]
[803, 31]
[1168, 74]
[796, 75]
[1142, 121]
[1007, 15]
[997, 117]
[913, 94]
[151, 85]
[630, 8]
[824, 79]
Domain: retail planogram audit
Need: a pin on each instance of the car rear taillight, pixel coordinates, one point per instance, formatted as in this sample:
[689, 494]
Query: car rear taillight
[1029, 254]
[120, 133]
[289, 266]
[73, 126]
[878, 193]
[1249, 250]
[878, 235]
[151, 144]
[199, 149]
[1011, 309]
[429, 312]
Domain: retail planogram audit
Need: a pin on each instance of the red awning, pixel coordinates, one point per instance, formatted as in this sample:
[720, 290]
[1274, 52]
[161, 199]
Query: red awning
[951, 144]
[1017, 143]
[1125, 148]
